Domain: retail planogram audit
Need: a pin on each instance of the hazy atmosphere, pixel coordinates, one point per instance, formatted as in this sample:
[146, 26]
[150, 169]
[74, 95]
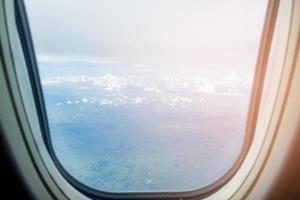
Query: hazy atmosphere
[146, 95]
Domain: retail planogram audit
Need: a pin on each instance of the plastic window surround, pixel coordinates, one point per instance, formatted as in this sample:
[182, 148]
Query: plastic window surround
[271, 107]
[26, 109]
[37, 90]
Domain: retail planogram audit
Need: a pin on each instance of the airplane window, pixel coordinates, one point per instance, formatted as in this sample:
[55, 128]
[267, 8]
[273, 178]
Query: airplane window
[143, 95]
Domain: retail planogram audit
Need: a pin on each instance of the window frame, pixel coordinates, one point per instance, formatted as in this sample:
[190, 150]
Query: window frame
[32, 68]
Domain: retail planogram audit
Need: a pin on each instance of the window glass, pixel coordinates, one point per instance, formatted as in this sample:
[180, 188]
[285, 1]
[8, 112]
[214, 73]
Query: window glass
[144, 95]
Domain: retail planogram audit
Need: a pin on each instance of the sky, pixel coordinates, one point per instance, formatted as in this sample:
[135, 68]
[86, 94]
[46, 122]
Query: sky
[179, 32]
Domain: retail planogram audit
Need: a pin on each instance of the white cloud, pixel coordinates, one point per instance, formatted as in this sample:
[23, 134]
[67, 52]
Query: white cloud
[111, 83]
[52, 58]
[173, 91]
[84, 100]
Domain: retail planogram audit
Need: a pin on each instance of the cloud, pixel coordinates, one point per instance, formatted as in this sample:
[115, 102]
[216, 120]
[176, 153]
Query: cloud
[46, 58]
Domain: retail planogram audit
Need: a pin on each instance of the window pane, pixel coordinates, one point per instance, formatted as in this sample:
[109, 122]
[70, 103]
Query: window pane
[146, 95]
